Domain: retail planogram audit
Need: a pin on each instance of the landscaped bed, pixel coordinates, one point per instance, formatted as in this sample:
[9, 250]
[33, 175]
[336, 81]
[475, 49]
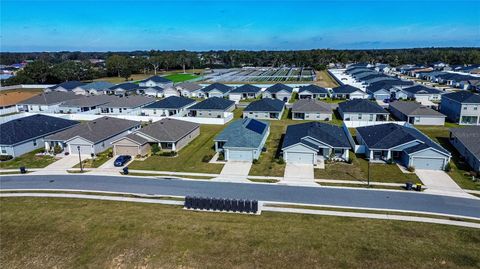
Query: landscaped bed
[358, 171]
[100, 159]
[189, 159]
[73, 233]
[29, 160]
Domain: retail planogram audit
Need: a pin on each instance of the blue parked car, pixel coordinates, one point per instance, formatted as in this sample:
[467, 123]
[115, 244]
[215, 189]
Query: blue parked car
[122, 160]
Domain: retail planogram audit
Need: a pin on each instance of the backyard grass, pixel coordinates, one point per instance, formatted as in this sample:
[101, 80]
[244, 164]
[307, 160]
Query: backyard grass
[181, 77]
[29, 160]
[358, 171]
[62, 233]
[189, 158]
[459, 168]
[325, 80]
[100, 159]
[117, 80]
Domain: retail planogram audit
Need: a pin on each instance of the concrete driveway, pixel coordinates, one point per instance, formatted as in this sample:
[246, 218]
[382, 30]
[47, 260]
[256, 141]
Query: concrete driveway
[66, 162]
[439, 182]
[299, 174]
[235, 171]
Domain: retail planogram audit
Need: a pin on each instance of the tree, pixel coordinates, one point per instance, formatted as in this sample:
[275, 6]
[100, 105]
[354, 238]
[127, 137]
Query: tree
[37, 71]
[155, 62]
[155, 149]
[115, 64]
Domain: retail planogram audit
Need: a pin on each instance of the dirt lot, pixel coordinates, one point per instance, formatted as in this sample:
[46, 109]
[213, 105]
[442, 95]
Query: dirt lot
[11, 97]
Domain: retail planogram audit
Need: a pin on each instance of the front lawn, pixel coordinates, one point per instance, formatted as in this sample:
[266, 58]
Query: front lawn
[189, 158]
[100, 159]
[358, 171]
[74, 233]
[180, 77]
[29, 160]
[459, 169]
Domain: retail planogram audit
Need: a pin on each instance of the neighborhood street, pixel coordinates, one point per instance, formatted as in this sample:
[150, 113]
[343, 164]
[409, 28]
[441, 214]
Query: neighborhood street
[345, 197]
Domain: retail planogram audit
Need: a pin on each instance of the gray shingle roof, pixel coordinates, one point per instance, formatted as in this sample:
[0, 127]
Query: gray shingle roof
[389, 135]
[240, 134]
[419, 89]
[329, 134]
[96, 130]
[213, 103]
[172, 102]
[168, 130]
[279, 87]
[68, 85]
[307, 105]
[361, 106]
[50, 98]
[89, 101]
[19, 130]
[133, 101]
[127, 86]
[266, 104]
[469, 137]
[217, 86]
[188, 86]
[415, 109]
[247, 88]
[463, 97]
[313, 89]
[98, 85]
[345, 89]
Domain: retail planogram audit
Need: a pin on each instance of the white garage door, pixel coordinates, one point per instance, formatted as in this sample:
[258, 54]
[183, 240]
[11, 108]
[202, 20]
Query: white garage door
[421, 98]
[84, 149]
[240, 155]
[126, 150]
[428, 163]
[300, 157]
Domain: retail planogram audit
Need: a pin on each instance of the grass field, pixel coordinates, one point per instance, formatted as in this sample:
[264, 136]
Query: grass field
[117, 80]
[189, 158]
[29, 160]
[180, 77]
[100, 159]
[358, 171]
[459, 168]
[324, 80]
[62, 233]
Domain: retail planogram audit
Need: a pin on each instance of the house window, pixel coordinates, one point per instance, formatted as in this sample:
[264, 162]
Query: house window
[34, 142]
[4, 150]
[359, 116]
[371, 117]
[120, 110]
[474, 108]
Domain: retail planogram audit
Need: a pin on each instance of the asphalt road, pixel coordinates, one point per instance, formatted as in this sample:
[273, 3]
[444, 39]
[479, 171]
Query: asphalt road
[410, 201]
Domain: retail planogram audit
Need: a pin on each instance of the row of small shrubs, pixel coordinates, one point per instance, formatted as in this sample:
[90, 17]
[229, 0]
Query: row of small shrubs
[4, 158]
[168, 153]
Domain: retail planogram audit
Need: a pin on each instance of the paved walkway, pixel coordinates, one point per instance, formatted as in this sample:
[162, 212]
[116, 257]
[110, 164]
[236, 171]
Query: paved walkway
[298, 174]
[439, 182]
[235, 171]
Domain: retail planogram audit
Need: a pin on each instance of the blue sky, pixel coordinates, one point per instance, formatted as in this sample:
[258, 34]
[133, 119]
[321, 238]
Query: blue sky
[252, 25]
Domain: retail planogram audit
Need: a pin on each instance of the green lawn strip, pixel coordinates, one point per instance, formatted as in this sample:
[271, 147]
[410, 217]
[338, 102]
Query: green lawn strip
[238, 113]
[77, 233]
[353, 210]
[98, 193]
[100, 159]
[460, 170]
[179, 77]
[259, 180]
[360, 185]
[167, 175]
[189, 159]
[29, 160]
[358, 170]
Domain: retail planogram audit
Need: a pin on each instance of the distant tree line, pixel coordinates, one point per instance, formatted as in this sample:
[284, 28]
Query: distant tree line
[53, 67]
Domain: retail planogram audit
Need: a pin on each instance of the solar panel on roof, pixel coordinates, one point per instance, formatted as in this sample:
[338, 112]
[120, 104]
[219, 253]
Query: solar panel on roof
[256, 126]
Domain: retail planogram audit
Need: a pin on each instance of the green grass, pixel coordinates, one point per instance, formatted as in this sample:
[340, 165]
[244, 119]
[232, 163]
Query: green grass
[189, 158]
[100, 159]
[29, 160]
[62, 233]
[180, 77]
[459, 168]
[358, 171]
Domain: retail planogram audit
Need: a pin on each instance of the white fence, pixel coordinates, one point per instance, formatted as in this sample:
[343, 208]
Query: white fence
[88, 117]
[355, 124]
[8, 110]
[26, 86]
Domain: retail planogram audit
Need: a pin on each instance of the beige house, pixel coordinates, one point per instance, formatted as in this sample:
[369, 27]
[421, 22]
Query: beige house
[169, 134]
